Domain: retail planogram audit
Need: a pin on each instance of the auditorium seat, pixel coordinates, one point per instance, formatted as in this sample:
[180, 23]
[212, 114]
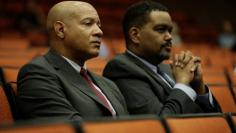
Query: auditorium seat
[14, 44]
[215, 79]
[8, 78]
[96, 65]
[198, 124]
[5, 110]
[42, 128]
[13, 61]
[9, 74]
[224, 97]
[125, 126]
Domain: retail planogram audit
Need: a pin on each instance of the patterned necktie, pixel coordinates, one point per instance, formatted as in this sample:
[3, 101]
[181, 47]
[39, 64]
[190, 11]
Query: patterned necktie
[165, 77]
[100, 95]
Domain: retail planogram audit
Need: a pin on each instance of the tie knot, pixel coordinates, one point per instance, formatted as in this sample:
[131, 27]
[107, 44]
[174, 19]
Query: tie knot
[165, 77]
[83, 71]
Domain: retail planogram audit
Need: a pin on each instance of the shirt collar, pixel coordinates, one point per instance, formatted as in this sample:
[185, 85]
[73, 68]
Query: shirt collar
[151, 66]
[74, 65]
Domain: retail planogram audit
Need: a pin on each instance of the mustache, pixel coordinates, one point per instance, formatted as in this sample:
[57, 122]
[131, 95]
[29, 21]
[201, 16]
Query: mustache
[167, 44]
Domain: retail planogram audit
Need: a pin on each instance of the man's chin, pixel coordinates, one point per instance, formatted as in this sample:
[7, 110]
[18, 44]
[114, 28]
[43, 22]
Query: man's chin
[164, 56]
[93, 54]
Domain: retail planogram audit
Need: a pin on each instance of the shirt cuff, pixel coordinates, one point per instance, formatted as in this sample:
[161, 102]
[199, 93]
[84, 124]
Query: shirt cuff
[207, 97]
[187, 90]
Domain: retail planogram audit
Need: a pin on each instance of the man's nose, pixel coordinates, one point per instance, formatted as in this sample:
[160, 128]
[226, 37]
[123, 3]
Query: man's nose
[98, 31]
[168, 36]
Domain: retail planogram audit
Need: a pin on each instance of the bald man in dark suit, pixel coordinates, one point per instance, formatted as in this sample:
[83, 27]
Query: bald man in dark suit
[57, 84]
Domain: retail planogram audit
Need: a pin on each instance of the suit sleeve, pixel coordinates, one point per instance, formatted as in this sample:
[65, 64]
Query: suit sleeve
[141, 100]
[142, 96]
[118, 95]
[41, 95]
[208, 102]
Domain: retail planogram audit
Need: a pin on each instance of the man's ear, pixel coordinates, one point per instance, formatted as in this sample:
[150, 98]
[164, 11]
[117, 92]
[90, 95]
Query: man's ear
[134, 34]
[59, 28]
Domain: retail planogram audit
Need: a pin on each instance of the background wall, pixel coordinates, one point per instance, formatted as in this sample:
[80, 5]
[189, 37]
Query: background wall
[199, 20]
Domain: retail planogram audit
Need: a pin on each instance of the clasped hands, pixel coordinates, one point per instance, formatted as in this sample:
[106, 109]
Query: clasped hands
[187, 70]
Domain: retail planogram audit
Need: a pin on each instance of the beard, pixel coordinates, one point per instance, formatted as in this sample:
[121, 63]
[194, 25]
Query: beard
[165, 51]
[163, 55]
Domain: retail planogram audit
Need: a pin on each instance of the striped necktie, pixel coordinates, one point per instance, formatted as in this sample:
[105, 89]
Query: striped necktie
[100, 95]
[170, 81]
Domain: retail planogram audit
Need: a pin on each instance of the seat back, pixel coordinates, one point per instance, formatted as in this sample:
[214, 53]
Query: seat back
[234, 119]
[231, 118]
[14, 44]
[224, 97]
[10, 74]
[125, 126]
[96, 65]
[8, 78]
[14, 61]
[44, 128]
[200, 124]
[6, 116]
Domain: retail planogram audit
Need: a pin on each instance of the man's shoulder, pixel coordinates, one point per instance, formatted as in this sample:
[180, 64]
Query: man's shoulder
[38, 64]
[119, 57]
[47, 61]
[123, 65]
[121, 60]
[118, 61]
[38, 61]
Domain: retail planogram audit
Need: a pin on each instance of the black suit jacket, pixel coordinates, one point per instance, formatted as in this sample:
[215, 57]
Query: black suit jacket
[49, 86]
[145, 92]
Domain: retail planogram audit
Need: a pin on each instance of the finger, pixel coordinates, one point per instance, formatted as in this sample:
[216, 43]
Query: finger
[199, 68]
[181, 56]
[191, 65]
[176, 60]
[197, 59]
[187, 58]
[189, 53]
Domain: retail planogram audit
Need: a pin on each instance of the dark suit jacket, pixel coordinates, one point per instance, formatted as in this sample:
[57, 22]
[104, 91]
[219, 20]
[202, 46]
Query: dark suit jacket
[49, 86]
[145, 92]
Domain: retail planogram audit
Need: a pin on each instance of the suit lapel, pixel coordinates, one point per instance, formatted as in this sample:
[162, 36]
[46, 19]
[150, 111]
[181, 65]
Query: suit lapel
[70, 74]
[144, 67]
[106, 91]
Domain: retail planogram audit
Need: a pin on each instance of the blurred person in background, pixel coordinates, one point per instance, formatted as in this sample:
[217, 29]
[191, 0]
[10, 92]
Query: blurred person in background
[176, 37]
[31, 18]
[227, 37]
[104, 51]
[31, 23]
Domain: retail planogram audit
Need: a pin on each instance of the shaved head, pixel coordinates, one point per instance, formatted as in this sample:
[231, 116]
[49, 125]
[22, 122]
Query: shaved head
[65, 11]
[74, 29]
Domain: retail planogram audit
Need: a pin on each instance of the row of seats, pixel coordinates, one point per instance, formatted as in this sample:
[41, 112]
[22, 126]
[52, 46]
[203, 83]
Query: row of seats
[221, 93]
[211, 123]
